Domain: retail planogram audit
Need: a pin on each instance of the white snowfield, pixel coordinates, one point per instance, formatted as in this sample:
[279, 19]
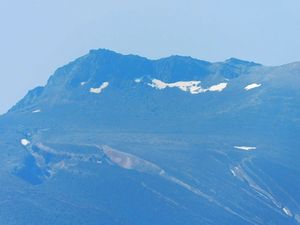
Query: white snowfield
[287, 211]
[233, 172]
[99, 89]
[138, 80]
[245, 148]
[36, 111]
[25, 142]
[218, 87]
[251, 86]
[193, 87]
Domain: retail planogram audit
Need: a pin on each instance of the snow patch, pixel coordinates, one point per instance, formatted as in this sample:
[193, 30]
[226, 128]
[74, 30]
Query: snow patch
[99, 89]
[287, 211]
[25, 142]
[218, 87]
[251, 86]
[193, 87]
[36, 111]
[245, 148]
[233, 172]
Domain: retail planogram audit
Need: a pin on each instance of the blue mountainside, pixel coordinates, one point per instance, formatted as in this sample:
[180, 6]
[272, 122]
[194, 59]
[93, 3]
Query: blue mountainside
[118, 139]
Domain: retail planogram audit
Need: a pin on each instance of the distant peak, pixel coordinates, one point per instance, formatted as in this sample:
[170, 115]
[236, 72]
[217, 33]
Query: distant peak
[239, 62]
[107, 53]
[180, 58]
[103, 51]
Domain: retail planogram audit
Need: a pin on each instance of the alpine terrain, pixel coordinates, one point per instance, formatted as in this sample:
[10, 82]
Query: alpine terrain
[116, 139]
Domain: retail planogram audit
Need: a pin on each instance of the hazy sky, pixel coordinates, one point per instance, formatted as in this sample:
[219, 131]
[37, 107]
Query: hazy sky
[37, 36]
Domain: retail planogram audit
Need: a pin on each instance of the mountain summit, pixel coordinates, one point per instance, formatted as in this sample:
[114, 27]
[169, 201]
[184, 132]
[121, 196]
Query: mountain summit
[101, 65]
[121, 139]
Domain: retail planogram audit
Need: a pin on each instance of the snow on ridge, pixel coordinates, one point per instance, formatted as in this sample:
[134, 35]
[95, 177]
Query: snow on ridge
[218, 87]
[251, 86]
[245, 148]
[99, 89]
[25, 142]
[36, 111]
[193, 87]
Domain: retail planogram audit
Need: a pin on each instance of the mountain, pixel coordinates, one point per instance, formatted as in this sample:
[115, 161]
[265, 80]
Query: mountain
[123, 140]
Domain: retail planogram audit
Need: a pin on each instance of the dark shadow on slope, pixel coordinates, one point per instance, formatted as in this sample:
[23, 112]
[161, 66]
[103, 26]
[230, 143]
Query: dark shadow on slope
[31, 172]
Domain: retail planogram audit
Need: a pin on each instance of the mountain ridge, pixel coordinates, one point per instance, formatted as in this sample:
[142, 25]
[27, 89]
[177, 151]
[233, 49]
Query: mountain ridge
[229, 68]
[168, 65]
[114, 139]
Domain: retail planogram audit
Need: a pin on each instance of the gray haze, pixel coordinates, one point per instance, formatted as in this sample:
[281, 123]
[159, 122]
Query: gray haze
[39, 36]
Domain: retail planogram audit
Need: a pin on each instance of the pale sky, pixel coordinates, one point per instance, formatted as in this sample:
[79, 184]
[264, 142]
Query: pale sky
[37, 36]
